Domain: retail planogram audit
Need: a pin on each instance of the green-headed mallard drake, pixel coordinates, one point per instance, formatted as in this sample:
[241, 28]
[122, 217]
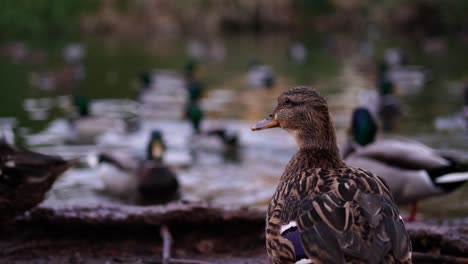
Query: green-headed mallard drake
[409, 78]
[194, 88]
[389, 106]
[25, 177]
[411, 170]
[150, 178]
[324, 211]
[85, 126]
[194, 114]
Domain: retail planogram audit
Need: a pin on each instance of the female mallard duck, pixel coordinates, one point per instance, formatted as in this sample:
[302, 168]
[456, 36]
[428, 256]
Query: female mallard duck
[412, 170]
[324, 211]
[151, 179]
[25, 177]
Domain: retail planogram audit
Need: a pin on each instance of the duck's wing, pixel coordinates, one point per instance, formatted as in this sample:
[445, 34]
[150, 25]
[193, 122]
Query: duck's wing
[350, 215]
[403, 153]
[124, 161]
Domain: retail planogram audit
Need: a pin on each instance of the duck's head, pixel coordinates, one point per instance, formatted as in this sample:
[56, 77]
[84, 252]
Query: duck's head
[191, 67]
[145, 79]
[81, 104]
[363, 126]
[303, 112]
[156, 146]
[386, 86]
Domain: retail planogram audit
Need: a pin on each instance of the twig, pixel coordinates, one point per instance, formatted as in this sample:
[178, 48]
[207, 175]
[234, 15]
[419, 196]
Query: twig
[424, 257]
[166, 255]
[167, 242]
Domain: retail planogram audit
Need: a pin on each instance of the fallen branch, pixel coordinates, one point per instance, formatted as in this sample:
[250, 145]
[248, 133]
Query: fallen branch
[198, 229]
[167, 242]
[166, 256]
[428, 258]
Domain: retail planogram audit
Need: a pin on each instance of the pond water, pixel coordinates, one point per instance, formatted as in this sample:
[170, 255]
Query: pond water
[207, 172]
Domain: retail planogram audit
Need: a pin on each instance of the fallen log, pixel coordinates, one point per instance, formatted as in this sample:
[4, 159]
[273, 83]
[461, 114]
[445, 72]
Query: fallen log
[199, 231]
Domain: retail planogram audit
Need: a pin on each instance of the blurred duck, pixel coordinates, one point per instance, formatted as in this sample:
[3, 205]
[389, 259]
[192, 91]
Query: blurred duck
[194, 114]
[260, 76]
[148, 180]
[457, 121]
[6, 130]
[409, 78]
[162, 94]
[25, 177]
[389, 106]
[412, 170]
[225, 137]
[81, 127]
[194, 88]
[219, 141]
[229, 138]
[19, 53]
[67, 77]
[229, 141]
[297, 52]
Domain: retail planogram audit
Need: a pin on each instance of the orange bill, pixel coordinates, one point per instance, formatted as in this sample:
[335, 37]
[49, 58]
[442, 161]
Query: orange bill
[268, 122]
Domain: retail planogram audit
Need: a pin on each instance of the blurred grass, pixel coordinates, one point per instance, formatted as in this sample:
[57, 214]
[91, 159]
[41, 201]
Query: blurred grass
[62, 18]
[42, 18]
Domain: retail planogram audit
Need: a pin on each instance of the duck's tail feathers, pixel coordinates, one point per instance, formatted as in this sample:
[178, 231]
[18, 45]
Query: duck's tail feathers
[451, 181]
[461, 177]
[454, 175]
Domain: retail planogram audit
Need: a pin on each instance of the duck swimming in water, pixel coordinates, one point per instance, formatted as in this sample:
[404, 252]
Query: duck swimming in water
[149, 180]
[324, 211]
[411, 170]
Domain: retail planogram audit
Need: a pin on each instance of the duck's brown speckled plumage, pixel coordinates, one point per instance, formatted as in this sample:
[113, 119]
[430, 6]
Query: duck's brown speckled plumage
[343, 214]
[25, 177]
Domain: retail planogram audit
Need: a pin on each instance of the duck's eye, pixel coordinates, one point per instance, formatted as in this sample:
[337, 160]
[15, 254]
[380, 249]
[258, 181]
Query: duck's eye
[287, 101]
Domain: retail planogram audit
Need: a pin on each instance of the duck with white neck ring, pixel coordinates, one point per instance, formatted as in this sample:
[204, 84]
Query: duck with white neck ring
[324, 211]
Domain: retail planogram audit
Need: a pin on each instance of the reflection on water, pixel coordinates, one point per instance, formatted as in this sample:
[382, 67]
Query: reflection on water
[206, 169]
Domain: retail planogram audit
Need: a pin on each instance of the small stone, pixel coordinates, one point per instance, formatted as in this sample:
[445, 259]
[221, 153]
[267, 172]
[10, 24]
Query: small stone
[205, 246]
